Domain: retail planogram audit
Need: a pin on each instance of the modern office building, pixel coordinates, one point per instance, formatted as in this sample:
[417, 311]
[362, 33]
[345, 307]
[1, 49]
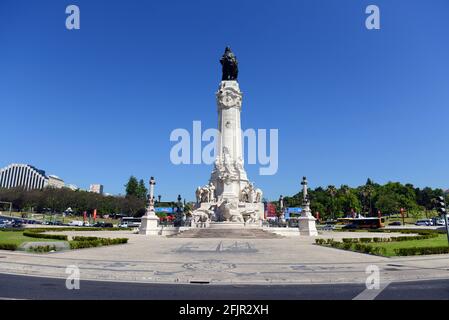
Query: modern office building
[28, 177]
[55, 182]
[96, 188]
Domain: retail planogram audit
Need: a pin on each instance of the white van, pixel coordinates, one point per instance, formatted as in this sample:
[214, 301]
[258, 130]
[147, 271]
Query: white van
[76, 223]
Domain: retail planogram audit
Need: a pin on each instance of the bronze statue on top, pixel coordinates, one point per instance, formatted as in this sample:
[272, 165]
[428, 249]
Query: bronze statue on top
[230, 65]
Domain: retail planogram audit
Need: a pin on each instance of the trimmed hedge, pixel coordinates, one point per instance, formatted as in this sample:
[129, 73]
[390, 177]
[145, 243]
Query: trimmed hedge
[79, 238]
[391, 239]
[45, 236]
[42, 249]
[40, 230]
[358, 247]
[92, 242]
[8, 246]
[421, 251]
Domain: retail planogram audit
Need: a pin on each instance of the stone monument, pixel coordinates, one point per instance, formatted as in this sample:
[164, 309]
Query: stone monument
[307, 225]
[229, 199]
[150, 220]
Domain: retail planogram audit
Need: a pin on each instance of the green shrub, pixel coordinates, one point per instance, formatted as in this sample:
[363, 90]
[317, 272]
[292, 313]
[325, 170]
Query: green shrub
[379, 251]
[336, 244]
[42, 249]
[367, 248]
[8, 246]
[41, 230]
[350, 240]
[421, 251]
[84, 238]
[92, 243]
[45, 236]
[320, 241]
[366, 240]
[347, 246]
[84, 244]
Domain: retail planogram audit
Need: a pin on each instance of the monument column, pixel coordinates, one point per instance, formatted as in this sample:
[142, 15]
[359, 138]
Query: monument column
[229, 199]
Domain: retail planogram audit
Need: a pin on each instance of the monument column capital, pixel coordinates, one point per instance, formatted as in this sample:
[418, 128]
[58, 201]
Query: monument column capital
[229, 95]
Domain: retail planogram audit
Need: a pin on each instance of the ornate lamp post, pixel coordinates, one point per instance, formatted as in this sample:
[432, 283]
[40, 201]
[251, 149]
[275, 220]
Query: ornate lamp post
[281, 206]
[150, 208]
[307, 225]
[150, 220]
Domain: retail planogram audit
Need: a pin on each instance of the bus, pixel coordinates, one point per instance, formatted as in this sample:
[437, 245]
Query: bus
[362, 223]
[130, 222]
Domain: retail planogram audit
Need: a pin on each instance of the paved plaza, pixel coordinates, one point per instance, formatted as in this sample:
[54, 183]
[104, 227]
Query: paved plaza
[294, 260]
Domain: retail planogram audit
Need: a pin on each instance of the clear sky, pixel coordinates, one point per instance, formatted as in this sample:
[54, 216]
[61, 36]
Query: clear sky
[98, 104]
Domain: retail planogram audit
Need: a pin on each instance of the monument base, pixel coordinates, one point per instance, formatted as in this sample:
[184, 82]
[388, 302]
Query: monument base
[149, 226]
[307, 226]
[226, 225]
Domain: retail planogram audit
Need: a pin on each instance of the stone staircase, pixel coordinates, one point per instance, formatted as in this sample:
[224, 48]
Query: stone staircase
[248, 233]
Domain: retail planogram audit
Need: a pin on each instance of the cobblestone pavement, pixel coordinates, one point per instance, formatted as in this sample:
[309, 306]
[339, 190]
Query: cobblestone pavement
[293, 260]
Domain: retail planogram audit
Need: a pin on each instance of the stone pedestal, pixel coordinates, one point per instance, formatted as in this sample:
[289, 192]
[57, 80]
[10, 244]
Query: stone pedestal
[307, 226]
[149, 226]
[226, 225]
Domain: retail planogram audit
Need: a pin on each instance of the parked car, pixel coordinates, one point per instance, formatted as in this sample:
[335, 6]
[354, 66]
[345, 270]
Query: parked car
[123, 225]
[328, 227]
[424, 222]
[350, 226]
[103, 225]
[395, 223]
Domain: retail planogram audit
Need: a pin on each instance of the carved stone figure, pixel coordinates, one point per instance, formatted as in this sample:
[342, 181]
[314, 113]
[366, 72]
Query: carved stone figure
[259, 195]
[244, 194]
[250, 216]
[211, 188]
[200, 216]
[198, 195]
[231, 212]
[230, 65]
[239, 165]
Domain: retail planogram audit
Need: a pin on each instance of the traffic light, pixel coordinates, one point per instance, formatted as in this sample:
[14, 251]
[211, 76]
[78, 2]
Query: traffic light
[441, 206]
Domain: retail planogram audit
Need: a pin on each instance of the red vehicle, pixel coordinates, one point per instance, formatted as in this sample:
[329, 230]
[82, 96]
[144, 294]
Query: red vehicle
[363, 223]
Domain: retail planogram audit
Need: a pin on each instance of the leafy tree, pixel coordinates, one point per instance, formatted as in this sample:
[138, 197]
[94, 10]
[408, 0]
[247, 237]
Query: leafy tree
[332, 191]
[132, 187]
[142, 191]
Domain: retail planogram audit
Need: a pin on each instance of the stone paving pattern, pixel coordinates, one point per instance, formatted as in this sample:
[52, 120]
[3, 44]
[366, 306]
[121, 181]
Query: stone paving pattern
[295, 260]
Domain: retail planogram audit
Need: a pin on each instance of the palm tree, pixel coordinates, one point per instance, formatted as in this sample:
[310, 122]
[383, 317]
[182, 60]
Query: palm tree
[332, 191]
[367, 194]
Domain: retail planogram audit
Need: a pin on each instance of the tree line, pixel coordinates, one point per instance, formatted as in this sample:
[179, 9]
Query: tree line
[330, 202]
[369, 199]
[53, 200]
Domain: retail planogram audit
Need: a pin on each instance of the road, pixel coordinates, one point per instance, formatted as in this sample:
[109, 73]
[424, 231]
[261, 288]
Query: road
[38, 288]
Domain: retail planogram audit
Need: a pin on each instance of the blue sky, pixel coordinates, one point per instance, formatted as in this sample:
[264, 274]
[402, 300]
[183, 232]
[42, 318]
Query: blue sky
[98, 104]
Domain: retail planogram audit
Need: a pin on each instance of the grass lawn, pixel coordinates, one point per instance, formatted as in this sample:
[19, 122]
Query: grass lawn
[441, 240]
[17, 237]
